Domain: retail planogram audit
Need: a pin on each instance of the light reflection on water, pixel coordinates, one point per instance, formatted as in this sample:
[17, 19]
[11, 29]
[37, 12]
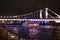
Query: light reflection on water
[18, 27]
[39, 32]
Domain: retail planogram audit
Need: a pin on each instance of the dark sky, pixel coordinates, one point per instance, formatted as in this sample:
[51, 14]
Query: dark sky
[17, 7]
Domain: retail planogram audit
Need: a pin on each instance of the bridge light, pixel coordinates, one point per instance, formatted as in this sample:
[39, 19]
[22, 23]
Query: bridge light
[45, 21]
[14, 16]
[1, 16]
[59, 16]
[42, 21]
[57, 21]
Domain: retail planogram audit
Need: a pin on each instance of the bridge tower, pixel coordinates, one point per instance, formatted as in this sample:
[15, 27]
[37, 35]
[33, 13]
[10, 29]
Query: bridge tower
[46, 12]
[41, 13]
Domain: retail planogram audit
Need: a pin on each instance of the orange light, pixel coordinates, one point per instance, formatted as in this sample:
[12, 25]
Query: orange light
[33, 25]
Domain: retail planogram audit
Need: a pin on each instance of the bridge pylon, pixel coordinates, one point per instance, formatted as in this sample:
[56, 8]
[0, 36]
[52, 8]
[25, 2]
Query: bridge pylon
[46, 12]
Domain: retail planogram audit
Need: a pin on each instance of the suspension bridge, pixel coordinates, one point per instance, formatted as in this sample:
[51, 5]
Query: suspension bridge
[40, 15]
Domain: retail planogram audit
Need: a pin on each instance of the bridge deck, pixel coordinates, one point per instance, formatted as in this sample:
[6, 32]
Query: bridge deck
[30, 19]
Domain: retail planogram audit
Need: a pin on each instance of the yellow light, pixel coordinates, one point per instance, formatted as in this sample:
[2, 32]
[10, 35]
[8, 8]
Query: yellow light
[33, 25]
[11, 22]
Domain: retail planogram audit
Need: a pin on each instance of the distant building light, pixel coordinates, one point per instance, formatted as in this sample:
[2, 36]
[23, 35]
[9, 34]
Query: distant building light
[12, 36]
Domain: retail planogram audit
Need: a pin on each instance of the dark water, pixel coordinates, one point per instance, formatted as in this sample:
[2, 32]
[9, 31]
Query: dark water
[43, 32]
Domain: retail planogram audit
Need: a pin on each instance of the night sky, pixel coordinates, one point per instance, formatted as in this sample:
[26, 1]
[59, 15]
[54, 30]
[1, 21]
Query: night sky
[18, 7]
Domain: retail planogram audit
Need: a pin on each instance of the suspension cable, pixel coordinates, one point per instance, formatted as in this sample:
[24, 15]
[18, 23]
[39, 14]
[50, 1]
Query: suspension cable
[50, 15]
[53, 12]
